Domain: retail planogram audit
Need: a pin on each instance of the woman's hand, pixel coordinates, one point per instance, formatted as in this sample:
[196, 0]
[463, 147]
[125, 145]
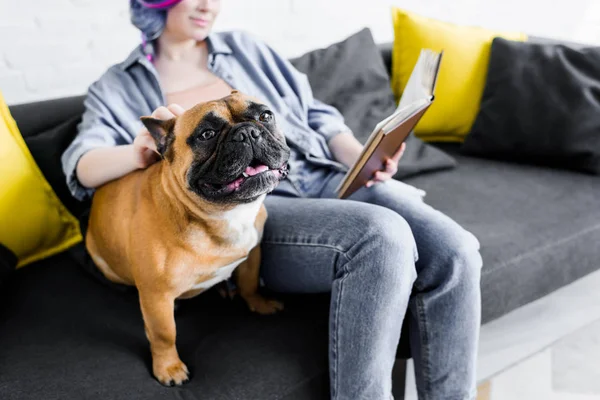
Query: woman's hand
[390, 168]
[346, 149]
[144, 149]
[144, 145]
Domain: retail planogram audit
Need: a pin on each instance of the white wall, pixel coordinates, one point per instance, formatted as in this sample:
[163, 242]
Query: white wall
[52, 48]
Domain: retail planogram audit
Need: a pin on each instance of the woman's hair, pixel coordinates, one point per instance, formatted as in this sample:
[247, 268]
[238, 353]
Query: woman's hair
[150, 17]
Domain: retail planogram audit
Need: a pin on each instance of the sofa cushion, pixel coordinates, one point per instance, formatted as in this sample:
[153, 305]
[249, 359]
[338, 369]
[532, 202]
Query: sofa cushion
[462, 72]
[66, 336]
[541, 104]
[352, 76]
[34, 223]
[539, 228]
[46, 147]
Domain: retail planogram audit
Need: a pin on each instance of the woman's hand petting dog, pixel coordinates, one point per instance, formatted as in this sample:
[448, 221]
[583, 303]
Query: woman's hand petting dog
[144, 146]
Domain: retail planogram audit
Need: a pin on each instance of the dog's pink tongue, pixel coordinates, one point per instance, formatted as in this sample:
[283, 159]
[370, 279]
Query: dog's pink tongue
[251, 171]
[235, 184]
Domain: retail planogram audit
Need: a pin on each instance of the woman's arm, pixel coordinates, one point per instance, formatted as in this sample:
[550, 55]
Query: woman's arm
[101, 165]
[345, 148]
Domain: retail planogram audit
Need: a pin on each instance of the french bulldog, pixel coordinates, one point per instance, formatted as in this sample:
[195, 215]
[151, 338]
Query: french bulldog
[193, 219]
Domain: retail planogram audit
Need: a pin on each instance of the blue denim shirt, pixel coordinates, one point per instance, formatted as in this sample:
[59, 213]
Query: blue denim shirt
[131, 89]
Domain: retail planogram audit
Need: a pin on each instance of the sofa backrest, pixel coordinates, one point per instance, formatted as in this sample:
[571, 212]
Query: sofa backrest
[386, 53]
[36, 117]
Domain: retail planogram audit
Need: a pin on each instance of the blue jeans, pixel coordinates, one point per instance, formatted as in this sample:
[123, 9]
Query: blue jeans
[384, 254]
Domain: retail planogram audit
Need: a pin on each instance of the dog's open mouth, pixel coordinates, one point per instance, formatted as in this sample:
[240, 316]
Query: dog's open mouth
[253, 170]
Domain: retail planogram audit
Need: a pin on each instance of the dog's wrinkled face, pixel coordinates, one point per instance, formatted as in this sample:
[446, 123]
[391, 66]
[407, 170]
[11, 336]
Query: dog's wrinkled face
[226, 151]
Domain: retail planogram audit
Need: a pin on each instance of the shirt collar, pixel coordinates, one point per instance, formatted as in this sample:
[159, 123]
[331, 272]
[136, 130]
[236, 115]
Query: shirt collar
[216, 45]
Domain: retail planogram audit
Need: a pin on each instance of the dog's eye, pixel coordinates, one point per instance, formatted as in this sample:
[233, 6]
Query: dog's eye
[266, 117]
[208, 134]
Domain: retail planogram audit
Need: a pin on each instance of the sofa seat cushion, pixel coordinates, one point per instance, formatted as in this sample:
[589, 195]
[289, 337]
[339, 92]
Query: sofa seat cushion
[539, 228]
[64, 335]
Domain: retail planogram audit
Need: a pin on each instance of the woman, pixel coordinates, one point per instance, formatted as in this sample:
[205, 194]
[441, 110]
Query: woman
[381, 252]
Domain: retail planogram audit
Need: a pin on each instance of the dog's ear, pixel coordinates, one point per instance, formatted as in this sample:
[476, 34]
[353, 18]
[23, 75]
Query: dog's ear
[161, 131]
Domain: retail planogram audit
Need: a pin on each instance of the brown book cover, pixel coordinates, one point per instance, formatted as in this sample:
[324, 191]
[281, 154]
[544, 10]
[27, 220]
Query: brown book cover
[389, 134]
[385, 146]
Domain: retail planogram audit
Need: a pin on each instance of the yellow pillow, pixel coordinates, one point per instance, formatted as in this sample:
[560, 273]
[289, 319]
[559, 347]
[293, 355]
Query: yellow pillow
[33, 222]
[462, 75]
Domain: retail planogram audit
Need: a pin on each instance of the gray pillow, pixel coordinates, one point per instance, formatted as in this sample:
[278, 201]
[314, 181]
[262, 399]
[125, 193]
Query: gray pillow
[351, 76]
[540, 105]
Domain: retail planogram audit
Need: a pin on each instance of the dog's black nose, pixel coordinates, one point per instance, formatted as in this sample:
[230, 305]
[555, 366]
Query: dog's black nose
[241, 134]
[238, 136]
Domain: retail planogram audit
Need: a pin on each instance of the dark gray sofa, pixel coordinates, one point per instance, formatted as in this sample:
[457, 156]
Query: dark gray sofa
[64, 335]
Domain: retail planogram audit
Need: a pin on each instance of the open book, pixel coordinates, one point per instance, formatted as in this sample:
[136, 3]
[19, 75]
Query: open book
[389, 134]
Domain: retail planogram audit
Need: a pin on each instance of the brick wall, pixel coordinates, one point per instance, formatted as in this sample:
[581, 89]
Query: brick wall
[53, 48]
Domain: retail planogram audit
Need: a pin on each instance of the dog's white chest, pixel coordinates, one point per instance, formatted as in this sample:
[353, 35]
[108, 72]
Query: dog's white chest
[242, 230]
[219, 275]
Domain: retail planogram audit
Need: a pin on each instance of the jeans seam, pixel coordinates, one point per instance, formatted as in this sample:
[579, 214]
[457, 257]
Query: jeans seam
[335, 338]
[287, 243]
[424, 346]
[326, 245]
[336, 309]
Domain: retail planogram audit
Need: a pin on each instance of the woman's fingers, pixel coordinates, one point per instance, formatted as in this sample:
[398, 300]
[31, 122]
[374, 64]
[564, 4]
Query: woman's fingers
[145, 140]
[176, 109]
[168, 112]
[378, 176]
[391, 167]
[382, 176]
[163, 113]
[396, 157]
[149, 142]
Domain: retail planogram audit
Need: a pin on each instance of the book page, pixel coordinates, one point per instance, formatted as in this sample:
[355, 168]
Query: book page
[414, 87]
[403, 114]
[431, 69]
[421, 81]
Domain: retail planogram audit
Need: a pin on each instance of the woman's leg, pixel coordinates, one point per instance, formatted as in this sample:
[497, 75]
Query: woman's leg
[445, 309]
[365, 255]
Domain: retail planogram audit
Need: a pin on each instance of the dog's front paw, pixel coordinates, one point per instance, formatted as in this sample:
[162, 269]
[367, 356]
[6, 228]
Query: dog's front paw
[171, 373]
[259, 304]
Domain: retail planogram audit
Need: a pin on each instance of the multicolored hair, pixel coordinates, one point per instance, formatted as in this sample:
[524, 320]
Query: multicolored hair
[150, 17]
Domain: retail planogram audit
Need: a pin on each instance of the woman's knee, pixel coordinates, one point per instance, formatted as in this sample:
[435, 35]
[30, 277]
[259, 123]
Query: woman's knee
[459, 254]
[386, 235]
